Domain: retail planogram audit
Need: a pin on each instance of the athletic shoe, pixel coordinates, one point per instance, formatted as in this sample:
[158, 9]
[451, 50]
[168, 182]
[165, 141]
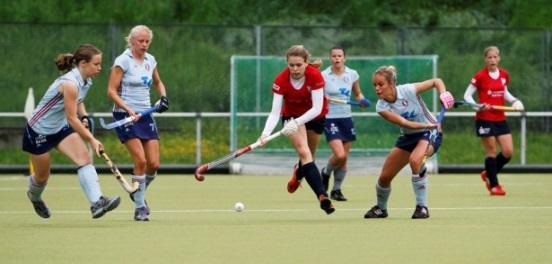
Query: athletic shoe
[326, 204]
[146, 202]
[104, 205]
[325, 178]
[141, 214]
[293, 183]
[421, 212]
[498, 190]
[40, 207]
[376, 212]
[486, 180]
[338, 196]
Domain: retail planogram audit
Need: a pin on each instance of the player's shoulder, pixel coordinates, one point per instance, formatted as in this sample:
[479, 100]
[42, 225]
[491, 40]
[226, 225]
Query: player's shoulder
[481, 73]
[327, 71]
[350, 70]
[149, 56]
[282, 76]
[503, 72]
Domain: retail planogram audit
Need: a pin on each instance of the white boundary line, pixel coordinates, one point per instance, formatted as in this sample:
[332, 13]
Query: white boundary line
[193, 211]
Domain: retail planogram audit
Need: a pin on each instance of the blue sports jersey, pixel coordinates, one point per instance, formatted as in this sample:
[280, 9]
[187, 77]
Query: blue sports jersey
[49, 116]
[136, 82]
[408, 105]
[339, 87]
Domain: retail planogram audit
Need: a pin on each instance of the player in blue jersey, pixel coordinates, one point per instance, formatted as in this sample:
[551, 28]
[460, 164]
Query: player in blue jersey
[402, 105]
[133, 74]
[59, 114]
[339, 128]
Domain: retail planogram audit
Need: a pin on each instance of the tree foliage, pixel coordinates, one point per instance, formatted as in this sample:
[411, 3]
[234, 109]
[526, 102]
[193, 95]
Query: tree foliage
[391, 13]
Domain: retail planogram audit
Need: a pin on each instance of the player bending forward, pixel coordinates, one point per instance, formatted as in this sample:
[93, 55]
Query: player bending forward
[402, 105]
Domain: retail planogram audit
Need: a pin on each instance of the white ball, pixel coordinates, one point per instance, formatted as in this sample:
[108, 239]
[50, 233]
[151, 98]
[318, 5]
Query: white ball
[239, 207]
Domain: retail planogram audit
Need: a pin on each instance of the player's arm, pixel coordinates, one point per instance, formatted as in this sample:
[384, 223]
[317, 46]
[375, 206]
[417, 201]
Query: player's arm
[516, 103]
[403, 122]
[113, 86]
[446, 97]
[83, 115]
[274, 115]
[70, 95]
[158, 84]
[161, 91]
[317, 97]
[359, 97]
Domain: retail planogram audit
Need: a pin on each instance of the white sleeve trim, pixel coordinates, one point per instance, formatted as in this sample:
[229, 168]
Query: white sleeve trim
[317, 102]
[274, 115]
[508, 96]
[468, 95]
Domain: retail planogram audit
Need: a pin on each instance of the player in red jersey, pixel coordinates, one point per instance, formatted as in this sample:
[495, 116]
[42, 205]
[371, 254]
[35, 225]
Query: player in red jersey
[491, 84]
[299, 100]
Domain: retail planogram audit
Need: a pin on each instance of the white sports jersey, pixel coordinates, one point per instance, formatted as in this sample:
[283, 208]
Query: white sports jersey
[136, 81]
[339, 87]
[408, 105]
[49, 116]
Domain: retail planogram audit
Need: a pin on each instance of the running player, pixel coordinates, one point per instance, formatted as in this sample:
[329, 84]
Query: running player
[490, 125]
[132, 75]
[402, 105]
[339, 128]
[299, 100]
[59, 114]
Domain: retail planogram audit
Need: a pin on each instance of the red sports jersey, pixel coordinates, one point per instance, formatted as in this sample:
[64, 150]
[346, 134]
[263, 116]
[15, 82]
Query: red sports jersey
[297, 102]
[491, 91]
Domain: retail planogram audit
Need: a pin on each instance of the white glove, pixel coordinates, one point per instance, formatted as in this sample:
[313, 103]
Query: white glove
[447, 99]
[290, 127]
[518, 105]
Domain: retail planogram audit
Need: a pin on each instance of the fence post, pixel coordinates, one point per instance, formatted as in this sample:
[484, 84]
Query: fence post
[523, 139]
[198, 138]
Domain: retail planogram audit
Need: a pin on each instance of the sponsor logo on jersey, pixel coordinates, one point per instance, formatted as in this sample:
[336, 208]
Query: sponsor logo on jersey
[275, 87]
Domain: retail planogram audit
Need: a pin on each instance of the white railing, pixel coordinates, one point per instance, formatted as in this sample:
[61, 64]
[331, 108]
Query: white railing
[200, 115]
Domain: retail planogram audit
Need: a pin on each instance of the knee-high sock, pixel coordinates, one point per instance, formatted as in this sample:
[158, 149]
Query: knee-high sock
[501, 161]
[311, 173]
[299, 174]
[140, 195]
[330, 168]
[382, 196]
[490, 167]
[150, 178]
[339, 176]
[88, 179]
[419, 184]
[35, 189]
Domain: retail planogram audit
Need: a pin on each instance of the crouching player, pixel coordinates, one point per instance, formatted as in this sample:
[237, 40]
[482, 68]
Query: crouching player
[402, 105]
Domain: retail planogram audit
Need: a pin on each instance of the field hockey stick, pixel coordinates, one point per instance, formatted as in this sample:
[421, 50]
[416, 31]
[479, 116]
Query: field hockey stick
[434, 132]
[126, 120]
[480, 106]
[201, 170]
[341, 101]
[119, 176]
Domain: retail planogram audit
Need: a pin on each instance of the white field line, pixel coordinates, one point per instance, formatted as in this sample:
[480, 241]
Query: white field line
[351, 186]
[194, 211]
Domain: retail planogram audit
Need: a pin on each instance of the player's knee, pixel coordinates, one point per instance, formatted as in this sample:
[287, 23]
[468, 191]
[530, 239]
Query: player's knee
[341, 158]
[153, 165]
[140, 164]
